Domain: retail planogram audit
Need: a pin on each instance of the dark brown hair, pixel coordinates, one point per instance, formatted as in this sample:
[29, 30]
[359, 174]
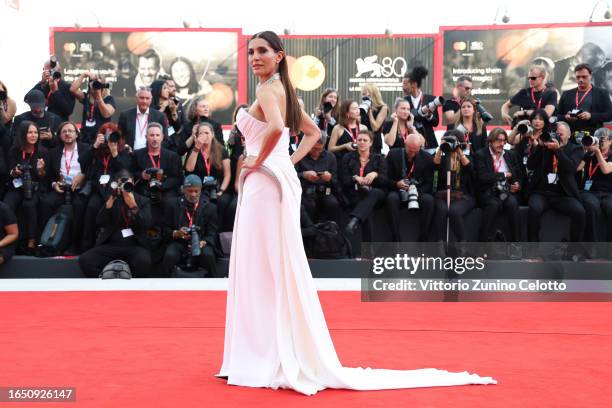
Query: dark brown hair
[345, 107]
[494, 133]
[293, 112]
[216, 149]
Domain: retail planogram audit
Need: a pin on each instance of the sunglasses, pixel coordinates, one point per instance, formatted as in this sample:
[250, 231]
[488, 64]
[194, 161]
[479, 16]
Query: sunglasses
[533, 78]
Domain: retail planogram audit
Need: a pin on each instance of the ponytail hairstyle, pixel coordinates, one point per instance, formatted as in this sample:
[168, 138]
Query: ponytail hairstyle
[293, 111]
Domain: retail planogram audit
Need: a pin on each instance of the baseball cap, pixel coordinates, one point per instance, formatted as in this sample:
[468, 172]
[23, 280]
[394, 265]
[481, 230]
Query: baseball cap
[192, 181]
[35, 98]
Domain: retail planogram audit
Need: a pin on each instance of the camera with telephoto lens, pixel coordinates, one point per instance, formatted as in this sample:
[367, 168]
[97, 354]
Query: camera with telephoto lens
[550, 136]
[486, 116]
[411, 195]
[524, 128]
[449, 143]
[195, 250]
[121, 185]
[175, 99]
[112, 137]
[209, 187]
[155, 183]
[97, 85]
[53, 68]
[575, 112]
[26, 178]
[588, 140]
[365, 105]
[501, 187]
[65, 186]
[430, 107]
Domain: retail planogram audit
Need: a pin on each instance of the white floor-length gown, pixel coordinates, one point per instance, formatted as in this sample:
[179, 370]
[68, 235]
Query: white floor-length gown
[275, 332]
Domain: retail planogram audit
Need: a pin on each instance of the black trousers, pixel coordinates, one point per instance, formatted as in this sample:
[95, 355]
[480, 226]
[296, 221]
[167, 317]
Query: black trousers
[230, 215]
[177, 251]
[322, 207]
[52, 201]
[595, 203]
[493, 205]
[425, 212]
[94, 260]
[364, 204]
[94, 204]
[458, 210]
[15, 199]
[224, 212]
[570, 206]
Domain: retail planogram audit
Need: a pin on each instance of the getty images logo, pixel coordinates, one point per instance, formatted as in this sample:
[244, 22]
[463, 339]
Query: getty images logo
[411, 264]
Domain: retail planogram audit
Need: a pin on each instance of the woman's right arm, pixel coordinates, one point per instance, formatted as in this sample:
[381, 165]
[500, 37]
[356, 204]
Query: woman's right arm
[392, 135]
[75, 88]
[191, 160]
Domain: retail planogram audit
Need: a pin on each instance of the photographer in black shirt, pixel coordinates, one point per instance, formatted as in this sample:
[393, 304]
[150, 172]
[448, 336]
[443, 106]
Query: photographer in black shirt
[57, 91]
[46, 122]
[462, 90]
[531, 99]
[98, 104]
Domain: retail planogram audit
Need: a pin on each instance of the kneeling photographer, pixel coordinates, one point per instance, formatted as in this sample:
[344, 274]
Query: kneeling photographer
[318, 173]
[410, 173]
[191, 228]
[124, 221]
[498, 175]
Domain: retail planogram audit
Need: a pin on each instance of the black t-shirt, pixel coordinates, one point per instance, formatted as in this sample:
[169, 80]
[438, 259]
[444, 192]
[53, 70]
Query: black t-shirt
[601, 182]
[200, 167]
[451, 105]
[7, 217]
[93, 119]
[399, 137]
[539, 100]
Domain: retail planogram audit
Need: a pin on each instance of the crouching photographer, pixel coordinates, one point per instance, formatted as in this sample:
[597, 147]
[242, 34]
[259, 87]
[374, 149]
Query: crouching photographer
[498, 175]
[191, 228]
[410, 173]
[124, 221]
[318, 173]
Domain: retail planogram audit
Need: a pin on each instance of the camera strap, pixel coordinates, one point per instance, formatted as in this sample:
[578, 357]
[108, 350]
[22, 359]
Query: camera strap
[592, 170]
[191, 216]
[583, 96]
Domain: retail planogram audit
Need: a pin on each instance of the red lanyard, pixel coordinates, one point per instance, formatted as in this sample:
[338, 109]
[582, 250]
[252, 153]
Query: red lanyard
[191, 216]
[362, 168]
[539, 103]
[68, 163]
[105, 161]
[157, 165]
[405, 135]
[583, 96]
[497, 163]
[23, 155]
[124, 215]
[411, 171]
[592, 170]
[143, 128]
[91, 111]
[555, 164]
[354, 134]
[206, 162]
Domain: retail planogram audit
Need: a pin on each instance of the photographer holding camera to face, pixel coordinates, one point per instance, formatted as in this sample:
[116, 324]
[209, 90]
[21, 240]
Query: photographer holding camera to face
[27, 162]
[124, 220]
[401, 125]
[57, 91]
[585, 108]
[463, 89]
[168, 104]
[8, 108]
[424, 107]
[531, 99]
[318, 172]
[98, 104]
[410, 172]
[343, 139]
[554, 163]
[363, 175]
[102, 162]
[596, 194]
[498, 176]
[46, 122]
[461, 189]
[470, 123]
[326, 114]
[373, 111]
[190, 226]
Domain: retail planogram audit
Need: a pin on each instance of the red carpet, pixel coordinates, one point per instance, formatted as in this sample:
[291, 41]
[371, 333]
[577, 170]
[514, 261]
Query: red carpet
[161, 349]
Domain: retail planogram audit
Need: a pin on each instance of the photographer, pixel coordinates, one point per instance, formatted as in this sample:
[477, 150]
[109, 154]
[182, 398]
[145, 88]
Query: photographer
[410, 170]
[363, 175]
[103, 161]
[531, 99]
[159, 171]
[183, 216]
[198, 112]
[318, 173]
[9, 233]
[471, 125]
[167, 104]
[210, 161]
[373, 111]
[27, 161]
[45, 121]
[326, 114]
[344, 136]
[596, 194]
[463, 89]
[554, 163]
[67, 178]
[461, 190]
[57, 91]
[134, 121]
[401, 125]
[498, 176]
[586, 107]
[425, 117]
[123, 220]
[98, 104]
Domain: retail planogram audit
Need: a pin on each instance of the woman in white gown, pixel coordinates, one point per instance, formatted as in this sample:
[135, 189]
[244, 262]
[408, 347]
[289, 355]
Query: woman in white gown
[275, 332]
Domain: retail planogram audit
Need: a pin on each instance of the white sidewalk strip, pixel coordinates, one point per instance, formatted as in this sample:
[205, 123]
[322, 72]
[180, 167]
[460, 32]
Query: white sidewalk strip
[67, 285]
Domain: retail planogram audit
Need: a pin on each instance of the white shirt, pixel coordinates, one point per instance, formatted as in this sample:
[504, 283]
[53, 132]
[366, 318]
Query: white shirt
[140, 136]
[71, 161]
[503, 167]
[416, 100]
